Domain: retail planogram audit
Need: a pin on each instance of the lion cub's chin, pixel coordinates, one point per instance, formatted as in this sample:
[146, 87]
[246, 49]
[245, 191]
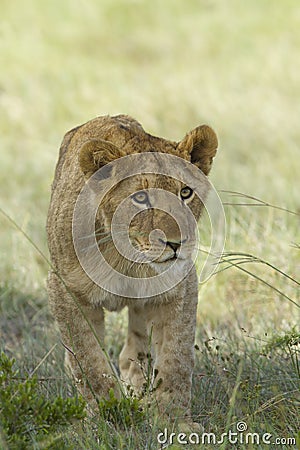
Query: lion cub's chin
[168, 264]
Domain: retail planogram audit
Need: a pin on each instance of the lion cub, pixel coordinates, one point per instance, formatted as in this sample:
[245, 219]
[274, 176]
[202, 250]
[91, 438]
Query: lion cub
[110, 163]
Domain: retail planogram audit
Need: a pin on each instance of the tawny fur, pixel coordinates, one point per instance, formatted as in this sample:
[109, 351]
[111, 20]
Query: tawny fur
[73, 297]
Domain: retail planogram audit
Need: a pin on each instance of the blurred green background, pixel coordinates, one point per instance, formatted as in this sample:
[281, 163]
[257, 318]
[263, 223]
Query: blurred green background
[172, 65]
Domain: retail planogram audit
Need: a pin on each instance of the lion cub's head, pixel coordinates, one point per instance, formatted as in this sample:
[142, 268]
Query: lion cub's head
[149, 212]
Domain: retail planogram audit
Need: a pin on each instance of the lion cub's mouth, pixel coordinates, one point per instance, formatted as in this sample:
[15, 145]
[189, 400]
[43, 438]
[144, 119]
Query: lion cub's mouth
[169, 258]
[161, 252]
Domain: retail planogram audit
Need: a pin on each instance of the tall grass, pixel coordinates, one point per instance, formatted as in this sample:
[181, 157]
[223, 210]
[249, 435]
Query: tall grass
[172, 65]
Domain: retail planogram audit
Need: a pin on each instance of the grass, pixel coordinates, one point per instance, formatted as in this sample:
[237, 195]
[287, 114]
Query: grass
[172, 65]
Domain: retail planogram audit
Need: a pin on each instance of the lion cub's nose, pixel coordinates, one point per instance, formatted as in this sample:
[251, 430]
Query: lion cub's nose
[173, 244]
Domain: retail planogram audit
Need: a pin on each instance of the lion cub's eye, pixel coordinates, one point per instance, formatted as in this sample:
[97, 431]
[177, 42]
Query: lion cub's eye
[140, 197]
[186, 193]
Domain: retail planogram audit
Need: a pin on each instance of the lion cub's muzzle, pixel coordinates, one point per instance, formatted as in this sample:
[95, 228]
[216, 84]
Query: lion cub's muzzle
[159, 248]
[159, 237]
[172, 249]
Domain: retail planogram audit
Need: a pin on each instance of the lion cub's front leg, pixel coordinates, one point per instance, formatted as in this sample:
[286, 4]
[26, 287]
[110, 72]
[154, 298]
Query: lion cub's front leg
[82, 330]
[133, 358]
[173, 336]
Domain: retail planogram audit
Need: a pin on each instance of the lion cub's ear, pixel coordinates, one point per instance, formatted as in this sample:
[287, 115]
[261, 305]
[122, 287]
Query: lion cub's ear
[95, 154]
[201, 145]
